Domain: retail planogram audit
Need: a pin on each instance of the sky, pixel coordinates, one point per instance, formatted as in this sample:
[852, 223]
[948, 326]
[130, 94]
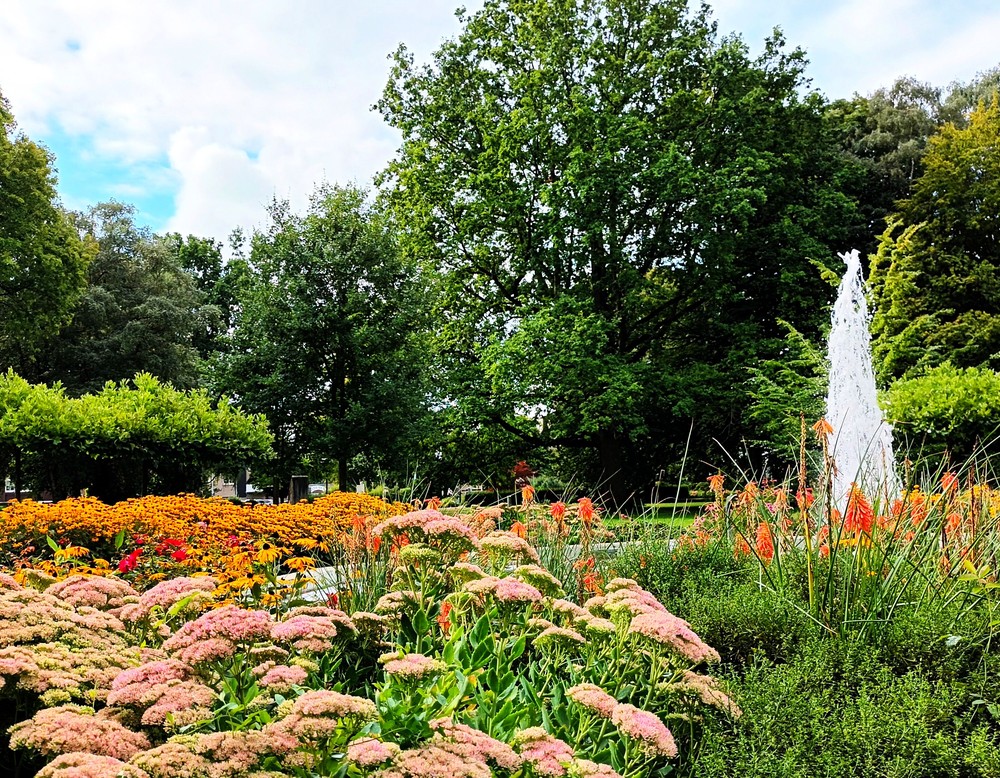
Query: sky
[200, 112]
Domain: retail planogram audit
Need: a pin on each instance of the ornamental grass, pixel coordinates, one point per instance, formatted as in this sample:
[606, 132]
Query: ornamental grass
[852, 566]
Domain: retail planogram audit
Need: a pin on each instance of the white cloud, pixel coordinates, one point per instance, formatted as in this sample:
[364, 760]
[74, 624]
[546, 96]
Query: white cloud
[245, 99]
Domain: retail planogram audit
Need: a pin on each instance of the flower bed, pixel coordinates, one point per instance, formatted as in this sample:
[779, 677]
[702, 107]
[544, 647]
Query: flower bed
[473, 662]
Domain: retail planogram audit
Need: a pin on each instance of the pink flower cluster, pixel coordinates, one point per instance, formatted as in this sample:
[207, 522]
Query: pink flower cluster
[646, 728]
[161, 688]
[320, 714]
[369, 752]
[507, 590]
[560, 637]
[502, 546]
[412, 666]
[594, 698]
[281, 678]
[478, 745]
[218, 634]
[70, 728]
[439, 531]
[548, 755]
[584, 768]
[49, 646]
[675, 633]
[106, 594]
[311, 634]
[217, 754]
[196, 591]
[82, 765]
[707, 689]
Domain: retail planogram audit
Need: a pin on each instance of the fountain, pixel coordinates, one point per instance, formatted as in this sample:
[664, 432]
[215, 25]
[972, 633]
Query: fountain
[862, 438]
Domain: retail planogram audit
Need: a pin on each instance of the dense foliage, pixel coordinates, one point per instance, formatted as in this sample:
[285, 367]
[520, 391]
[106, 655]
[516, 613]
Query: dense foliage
[594, 184]
[139, 313]
[128, 439]
[42, 259]
[326, 340]
[934, 278]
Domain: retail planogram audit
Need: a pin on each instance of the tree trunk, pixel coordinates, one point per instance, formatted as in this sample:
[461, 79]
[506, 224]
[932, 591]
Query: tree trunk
[342, 474]
[17, 474]
[610, 450]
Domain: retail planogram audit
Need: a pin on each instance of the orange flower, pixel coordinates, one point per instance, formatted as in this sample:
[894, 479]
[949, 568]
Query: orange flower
[823, 429]
[558, 511]
[859, 516]
[586, 510]
[949, 482]
[715, 482]
[520, 529]
[805, 498]
[765, 542]
[527, 494]
[442, 617]
[433, 503]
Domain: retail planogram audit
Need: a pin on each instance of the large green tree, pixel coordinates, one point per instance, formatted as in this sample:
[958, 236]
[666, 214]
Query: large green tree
[325, 339]
[141, 311]
[936, 276]
[620, 206]
[42, 259]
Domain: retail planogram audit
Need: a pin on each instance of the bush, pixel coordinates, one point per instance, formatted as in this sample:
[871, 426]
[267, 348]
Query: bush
[838, 710]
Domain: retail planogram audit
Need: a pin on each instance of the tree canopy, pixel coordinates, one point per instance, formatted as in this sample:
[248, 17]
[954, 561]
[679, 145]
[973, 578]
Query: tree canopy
[325, 339]
[936, 275]
[141, 310]
[42, 259]
[620, 205]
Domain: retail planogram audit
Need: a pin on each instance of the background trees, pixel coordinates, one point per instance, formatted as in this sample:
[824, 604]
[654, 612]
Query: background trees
[141, 310]
[326, 340]
[935, 276]
[619, 206]
[42, 259]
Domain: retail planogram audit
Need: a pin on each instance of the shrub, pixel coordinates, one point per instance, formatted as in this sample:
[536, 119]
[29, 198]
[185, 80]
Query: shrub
[837, 710]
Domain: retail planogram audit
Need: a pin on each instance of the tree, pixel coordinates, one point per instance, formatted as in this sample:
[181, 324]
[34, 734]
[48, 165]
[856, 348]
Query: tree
[141, 311]
[883, 137]
[325, 336]
[936, 276]
[42, 259]
[620, 206]
[218, 282]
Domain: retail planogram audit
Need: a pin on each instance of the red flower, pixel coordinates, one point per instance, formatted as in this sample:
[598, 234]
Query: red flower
[442, 618]
[130, 563]
[765, 542]
[179, 555]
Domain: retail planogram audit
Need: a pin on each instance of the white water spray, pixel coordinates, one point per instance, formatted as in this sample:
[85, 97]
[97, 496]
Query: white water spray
[862, 439]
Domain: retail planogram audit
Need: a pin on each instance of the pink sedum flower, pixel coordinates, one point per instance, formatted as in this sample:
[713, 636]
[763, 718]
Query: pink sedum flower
[548, 755]
[646, 728]
[369, 752]
[594, 698]
[70, 728]
[83, 765]
[669, 630]
[412, 666]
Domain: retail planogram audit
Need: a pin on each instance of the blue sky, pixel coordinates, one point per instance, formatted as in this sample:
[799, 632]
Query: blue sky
[199, 113]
